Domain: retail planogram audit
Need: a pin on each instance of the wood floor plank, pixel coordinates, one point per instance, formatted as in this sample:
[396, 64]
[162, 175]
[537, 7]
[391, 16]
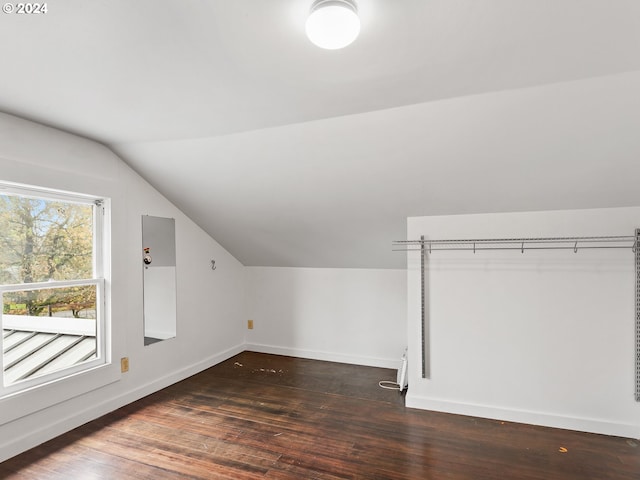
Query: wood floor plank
[271, 417]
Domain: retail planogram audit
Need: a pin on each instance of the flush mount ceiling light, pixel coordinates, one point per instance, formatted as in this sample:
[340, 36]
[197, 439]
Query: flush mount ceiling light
[333, 24]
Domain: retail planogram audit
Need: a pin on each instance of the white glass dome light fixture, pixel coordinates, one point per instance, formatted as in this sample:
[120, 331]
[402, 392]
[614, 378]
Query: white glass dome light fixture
[333, 24]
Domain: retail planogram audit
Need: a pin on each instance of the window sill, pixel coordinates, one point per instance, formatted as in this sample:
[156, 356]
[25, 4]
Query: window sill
[20, 404]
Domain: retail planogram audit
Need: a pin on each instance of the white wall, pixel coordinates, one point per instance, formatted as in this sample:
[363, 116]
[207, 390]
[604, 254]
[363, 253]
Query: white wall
[345, 315]
[541, 337]
[210, 303]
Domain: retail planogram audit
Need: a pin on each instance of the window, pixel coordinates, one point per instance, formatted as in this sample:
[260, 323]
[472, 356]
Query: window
[51, 284]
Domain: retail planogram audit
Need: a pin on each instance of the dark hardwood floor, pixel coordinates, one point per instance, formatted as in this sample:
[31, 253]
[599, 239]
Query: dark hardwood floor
[259, 416]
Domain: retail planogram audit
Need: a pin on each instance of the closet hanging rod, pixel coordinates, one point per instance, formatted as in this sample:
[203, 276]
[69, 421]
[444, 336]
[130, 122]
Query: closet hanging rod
[610, 238]
[522, 244]
[439, 249]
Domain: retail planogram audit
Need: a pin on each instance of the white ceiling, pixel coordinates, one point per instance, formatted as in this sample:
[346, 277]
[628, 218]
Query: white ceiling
[289, 155]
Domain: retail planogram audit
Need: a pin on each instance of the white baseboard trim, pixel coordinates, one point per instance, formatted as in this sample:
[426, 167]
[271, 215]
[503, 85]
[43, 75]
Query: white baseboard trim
[326, 356]
[589, 425]
[34, 438]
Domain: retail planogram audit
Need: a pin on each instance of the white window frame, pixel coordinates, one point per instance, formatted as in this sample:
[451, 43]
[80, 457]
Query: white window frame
[100, 260]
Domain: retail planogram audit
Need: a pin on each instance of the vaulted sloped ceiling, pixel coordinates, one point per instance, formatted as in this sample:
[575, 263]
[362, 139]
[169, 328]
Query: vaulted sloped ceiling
[289, 155]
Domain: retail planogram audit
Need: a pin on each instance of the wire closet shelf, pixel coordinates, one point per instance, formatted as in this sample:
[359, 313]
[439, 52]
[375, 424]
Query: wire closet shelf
[427, 246]
[521, 244]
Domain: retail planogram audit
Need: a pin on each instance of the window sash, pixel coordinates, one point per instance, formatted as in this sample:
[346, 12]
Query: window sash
[21, 385]
[18, 287]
